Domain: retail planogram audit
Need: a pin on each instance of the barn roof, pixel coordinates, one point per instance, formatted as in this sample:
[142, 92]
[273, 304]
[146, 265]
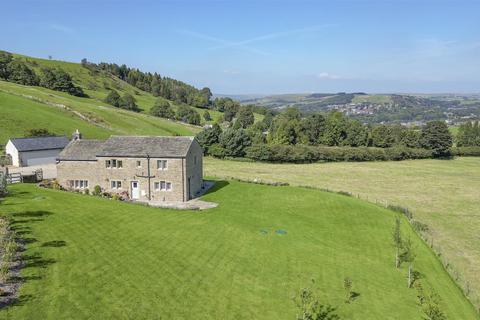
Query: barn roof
[82, 150]
[39, 143]
[128, 146]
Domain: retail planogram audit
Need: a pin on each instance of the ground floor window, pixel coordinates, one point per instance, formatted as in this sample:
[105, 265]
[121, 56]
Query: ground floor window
[163, 186]
[116, 184]
[78, 184]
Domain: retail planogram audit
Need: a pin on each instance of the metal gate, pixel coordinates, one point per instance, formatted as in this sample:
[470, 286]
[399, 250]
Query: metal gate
[14, 178]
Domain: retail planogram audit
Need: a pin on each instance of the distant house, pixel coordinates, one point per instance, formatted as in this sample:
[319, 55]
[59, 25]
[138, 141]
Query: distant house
[35, 151]
[144, 168]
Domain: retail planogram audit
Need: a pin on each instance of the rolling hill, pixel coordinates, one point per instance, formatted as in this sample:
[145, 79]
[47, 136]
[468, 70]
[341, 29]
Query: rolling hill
[28, 107]
[377, 108]
[97, 84]
[95, 258]
[23, 108]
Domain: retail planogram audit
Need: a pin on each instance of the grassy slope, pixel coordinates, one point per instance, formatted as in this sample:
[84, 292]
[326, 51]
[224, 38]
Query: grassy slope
[18, 115]
[113, 260]
[98, 84]
[372, 98]
[23, 108]
[443, 194]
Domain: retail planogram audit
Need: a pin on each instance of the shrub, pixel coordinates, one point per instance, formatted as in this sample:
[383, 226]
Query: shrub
[188, 115]
[56, 185]
[97, 190]
[234, 142]
[217, 150]
[466, 151]
[86, 191]
[162, 109]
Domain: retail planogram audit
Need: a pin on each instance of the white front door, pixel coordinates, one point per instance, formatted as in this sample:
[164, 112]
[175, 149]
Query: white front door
[135, 190]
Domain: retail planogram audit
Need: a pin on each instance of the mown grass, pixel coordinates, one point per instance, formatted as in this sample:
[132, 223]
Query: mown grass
[23, 108]
[91, 258]
[444, 194]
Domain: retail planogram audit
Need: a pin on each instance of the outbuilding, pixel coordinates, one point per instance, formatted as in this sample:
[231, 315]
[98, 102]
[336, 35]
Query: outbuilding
[35, 150]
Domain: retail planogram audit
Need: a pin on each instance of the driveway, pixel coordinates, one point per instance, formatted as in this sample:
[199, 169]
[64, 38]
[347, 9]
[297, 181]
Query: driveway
[49, 170]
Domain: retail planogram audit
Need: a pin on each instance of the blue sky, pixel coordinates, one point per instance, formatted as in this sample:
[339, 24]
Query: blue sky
[240, 47]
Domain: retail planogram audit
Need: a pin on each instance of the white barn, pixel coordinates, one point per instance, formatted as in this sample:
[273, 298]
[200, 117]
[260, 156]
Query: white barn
[35, 151]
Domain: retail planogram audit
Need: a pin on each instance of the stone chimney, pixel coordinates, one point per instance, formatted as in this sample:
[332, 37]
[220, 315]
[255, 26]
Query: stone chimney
[76, 135]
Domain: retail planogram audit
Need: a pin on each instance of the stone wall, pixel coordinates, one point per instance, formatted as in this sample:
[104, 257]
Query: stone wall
[194, 170]
[177, 173]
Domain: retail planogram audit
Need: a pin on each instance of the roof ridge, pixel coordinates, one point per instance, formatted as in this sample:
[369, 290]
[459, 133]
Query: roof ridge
[137, 136]
[36, 137]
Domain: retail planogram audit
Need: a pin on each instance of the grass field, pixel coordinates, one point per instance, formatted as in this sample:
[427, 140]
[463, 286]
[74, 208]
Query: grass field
[99, 259]
[444, 194]
[376, 98]
[23, 108]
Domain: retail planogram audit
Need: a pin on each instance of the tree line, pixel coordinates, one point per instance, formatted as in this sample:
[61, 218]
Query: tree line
[469, 134]
[292, 136]
[159, 86]
[19, 71]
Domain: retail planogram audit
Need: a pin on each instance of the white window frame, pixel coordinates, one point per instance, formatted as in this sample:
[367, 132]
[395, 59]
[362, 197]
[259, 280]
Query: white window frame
[162, 165]
[79, 184]
[114, 184]
[113, 164]
[162, 185]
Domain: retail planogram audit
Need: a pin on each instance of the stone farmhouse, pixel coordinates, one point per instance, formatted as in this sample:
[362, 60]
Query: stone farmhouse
[143, 168]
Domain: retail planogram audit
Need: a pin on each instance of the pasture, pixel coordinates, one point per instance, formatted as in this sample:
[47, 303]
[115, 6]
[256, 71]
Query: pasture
[95, 258]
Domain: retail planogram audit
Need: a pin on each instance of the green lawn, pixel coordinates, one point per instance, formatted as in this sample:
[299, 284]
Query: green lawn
[91, 258]
[445, 194]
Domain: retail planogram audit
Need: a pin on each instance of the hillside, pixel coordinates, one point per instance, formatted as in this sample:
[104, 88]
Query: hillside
[95, 258]
[97, 84]
[23, 108]
[376, 108]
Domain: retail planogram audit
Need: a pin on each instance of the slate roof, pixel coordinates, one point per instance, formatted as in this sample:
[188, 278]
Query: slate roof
[39, 143]
[82, 150]
[141, 146]
[127, 146]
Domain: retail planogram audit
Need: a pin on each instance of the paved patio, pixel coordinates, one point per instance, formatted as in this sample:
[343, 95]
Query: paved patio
[49, 170]
[194, 204]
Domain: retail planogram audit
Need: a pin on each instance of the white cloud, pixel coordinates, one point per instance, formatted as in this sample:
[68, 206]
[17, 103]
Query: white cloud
[328, 76]
[60, 28]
